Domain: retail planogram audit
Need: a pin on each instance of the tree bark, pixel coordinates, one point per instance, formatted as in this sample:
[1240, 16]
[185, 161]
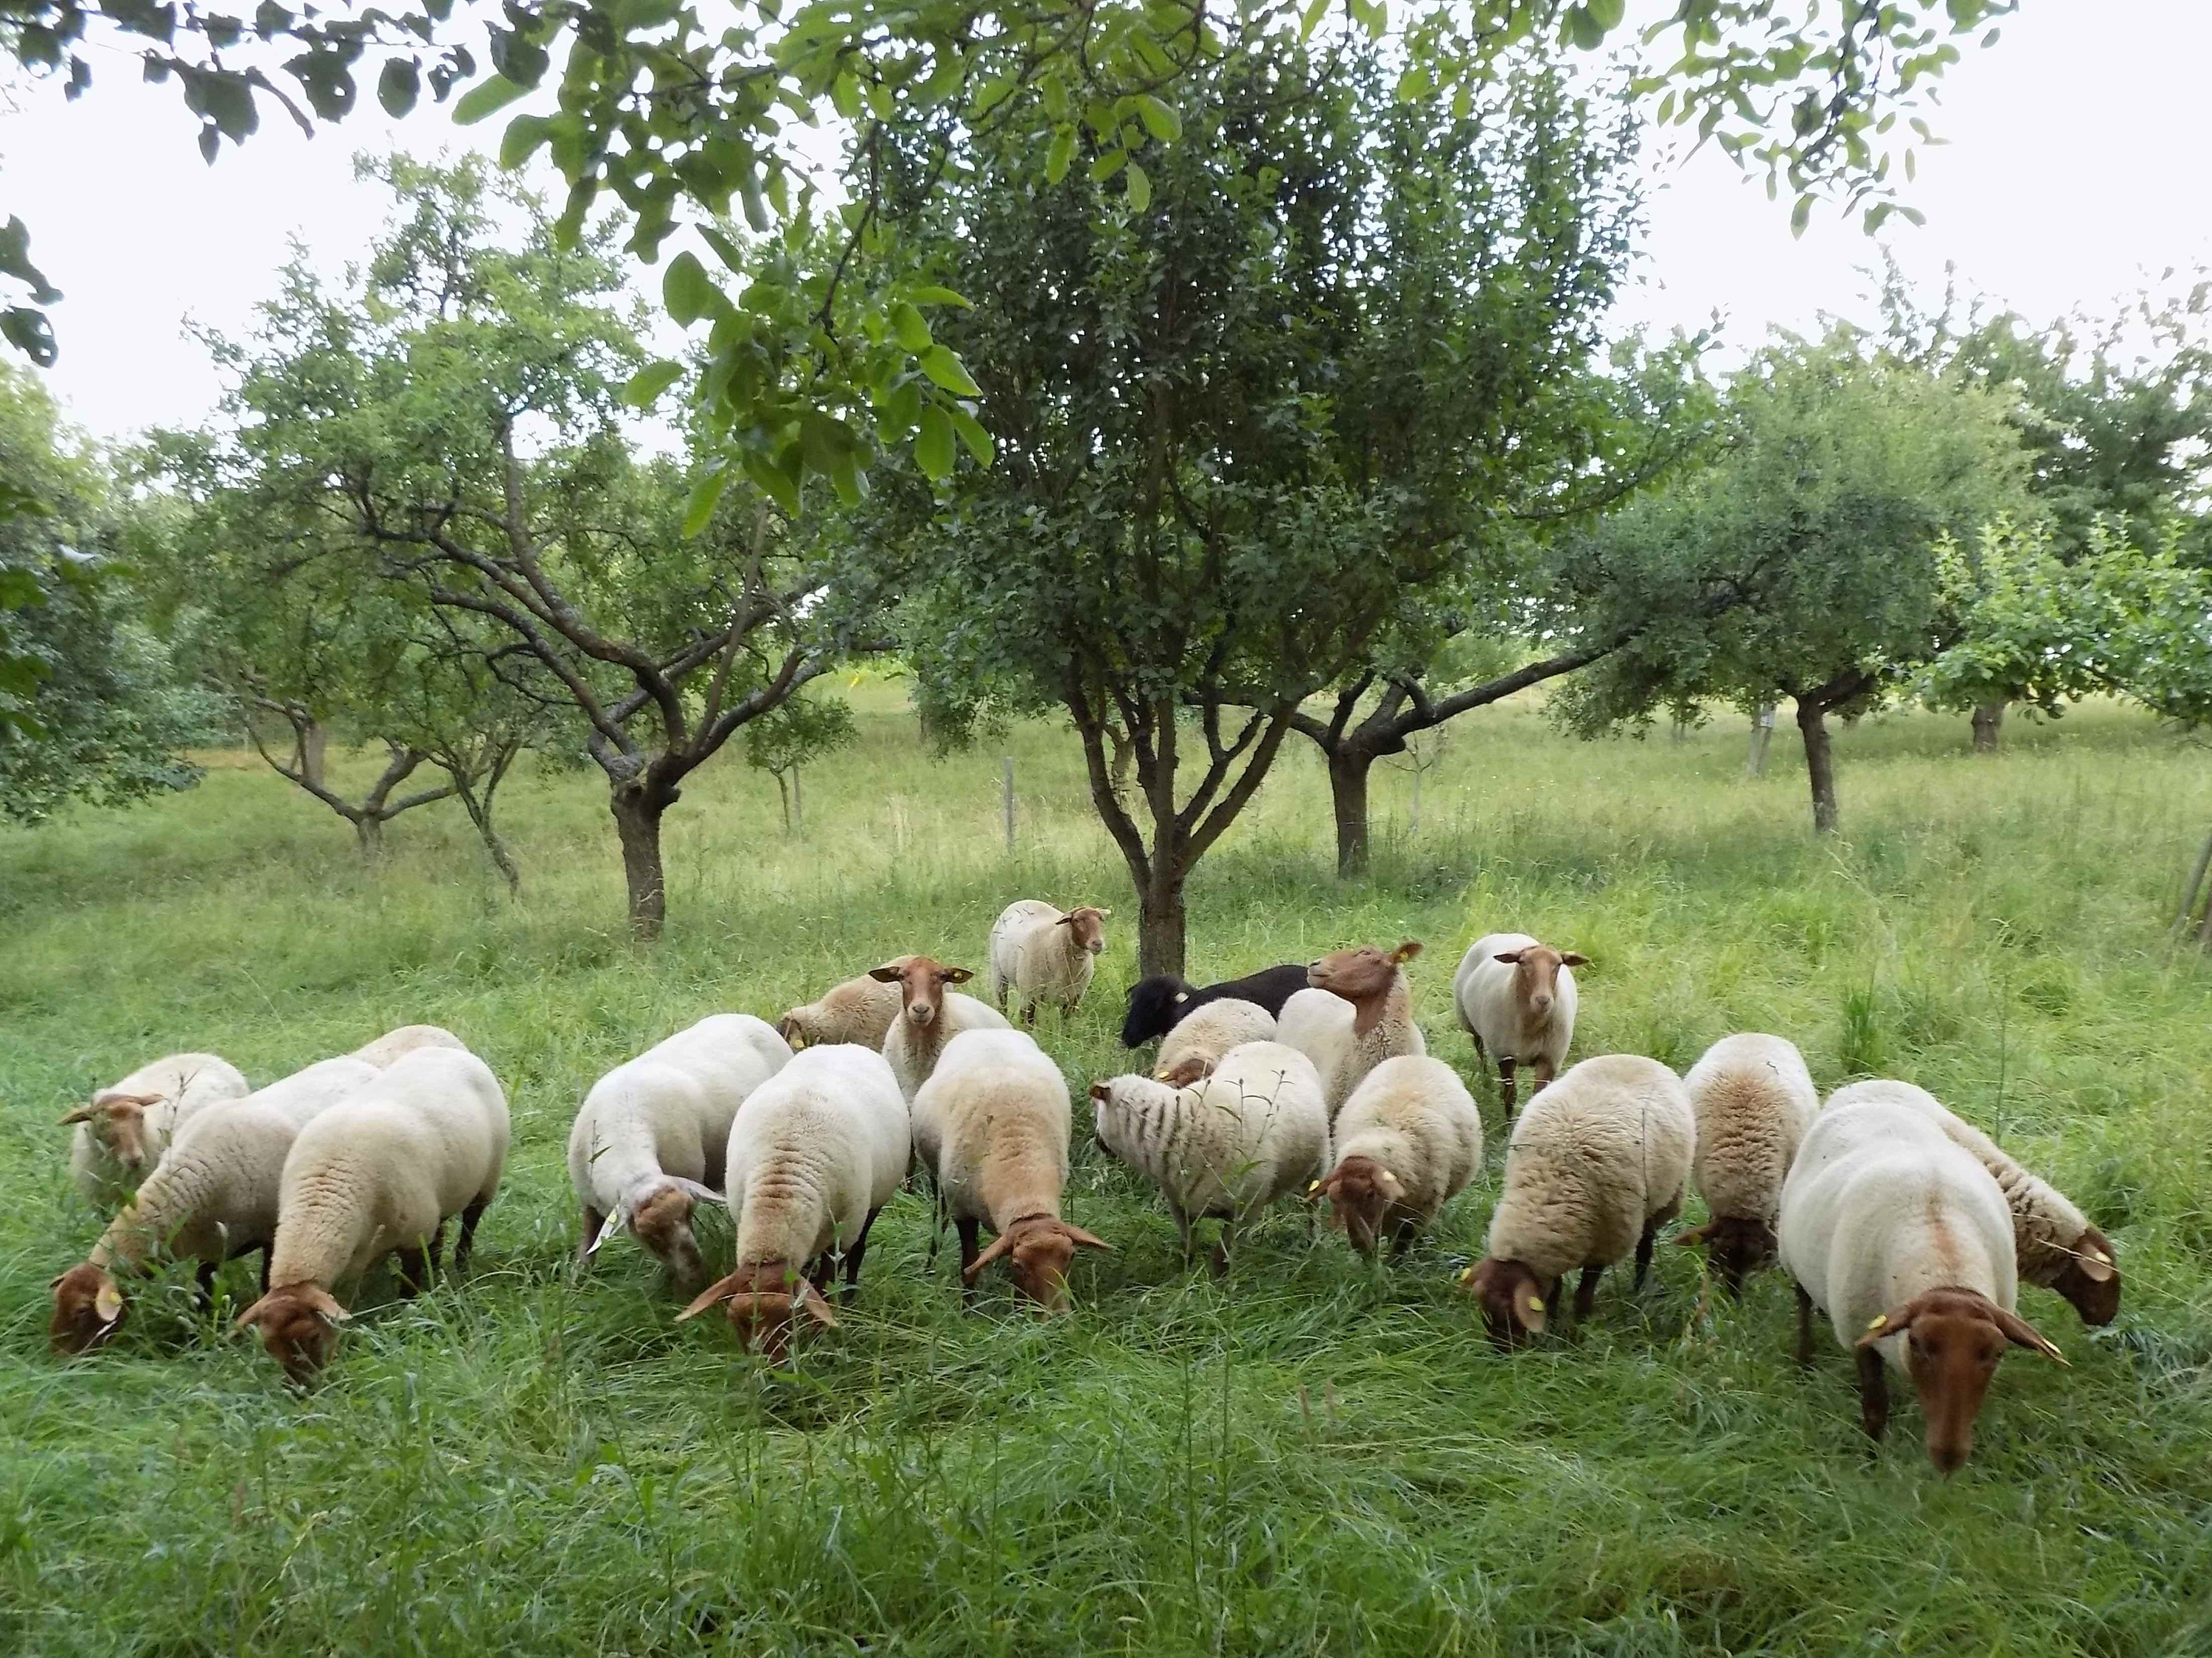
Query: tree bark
[1349, 765]
[1160, 927]
[479, 812]
[369, 837]
[1819, 763]
[638, 808]
[1989, 721]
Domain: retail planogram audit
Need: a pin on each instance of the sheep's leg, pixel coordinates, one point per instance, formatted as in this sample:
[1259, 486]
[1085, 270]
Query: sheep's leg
[1481, 1052]
[1643, 1247]
[1029, 1015]
[1506, 1084]
[437, 1244]
[1874, 1393]
[1401, 1238]
[593, 1221]
[1182, 1231]
[968, 1227]
[1586, 1292]
[1544, 1072]
[466, 1244]
[857, 1253]
[414, 1271]
[205, 1276]
[1804, 1353]
[267, 1250]
[822, 1272]
[1221, 1247]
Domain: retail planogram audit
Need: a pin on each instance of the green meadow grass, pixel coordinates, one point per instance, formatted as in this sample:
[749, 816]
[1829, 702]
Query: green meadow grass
[1313, 1456]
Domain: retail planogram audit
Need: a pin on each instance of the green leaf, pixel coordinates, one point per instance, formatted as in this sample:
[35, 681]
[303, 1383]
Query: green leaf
[1057, 157]
[706, 494]
[1140, 189]
[912, 328]
[725, 250]
[1106, 164]
[1800, 216]
[946, 370]
[1160, 120]
[1311, 20]
[29, 332]
[398, 85]
[486, 98]
[1607, 14]
[689, 292]
[932, 446]
[775, 484]
[524, 137]
[928, 294]
[645, 386]
[971, 433]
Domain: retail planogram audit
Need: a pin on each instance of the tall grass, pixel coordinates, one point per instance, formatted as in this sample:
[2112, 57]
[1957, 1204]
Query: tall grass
[1313, 1456]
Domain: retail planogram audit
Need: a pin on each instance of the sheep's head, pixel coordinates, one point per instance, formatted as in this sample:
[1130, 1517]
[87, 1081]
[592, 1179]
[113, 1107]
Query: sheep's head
[765, 1299]
[116, 1122]
[1153, 1004]
[299, 1325]
[794, 1028]
[1086, 925]
[1537, 975]
[1954, 1339]
[2090, 1280]
[1737, 1246]
[921, 982]
[88, 1310]
[1038, 1250]
[663, 1225]
[1363, 976]
[1360, 1192]
[1513, 1298]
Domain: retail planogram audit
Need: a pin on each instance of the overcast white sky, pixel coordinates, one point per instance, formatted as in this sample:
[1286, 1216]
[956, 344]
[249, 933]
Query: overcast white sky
[2074, 171]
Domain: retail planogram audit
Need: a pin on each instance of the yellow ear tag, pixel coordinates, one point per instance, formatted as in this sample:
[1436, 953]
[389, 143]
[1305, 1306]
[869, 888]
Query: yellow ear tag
[108, 1303]
[1387, 1175]
[1880, 1319]
[2101, 1258]
[1466, 1275]
[1535, 1303]
[1315, 1187]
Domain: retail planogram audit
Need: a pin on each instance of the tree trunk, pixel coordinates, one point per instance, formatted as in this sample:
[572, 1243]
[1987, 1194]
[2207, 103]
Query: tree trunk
[1819, 764]
[638, 808]
[314, 742]
[502, 860]
[1348, 770]
[1989, 721]
[1125, 755]
[1160, 924]
[369, 837]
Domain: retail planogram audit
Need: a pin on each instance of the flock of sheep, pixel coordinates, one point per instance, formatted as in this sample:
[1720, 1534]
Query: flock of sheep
[1902, 1224]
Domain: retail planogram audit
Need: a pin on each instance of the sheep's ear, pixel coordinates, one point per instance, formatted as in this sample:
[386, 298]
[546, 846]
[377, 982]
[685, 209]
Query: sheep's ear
[2093, 1255]
[1886, 1325]
[1510, 957]
[1407, 951]
[1529, 1309]
[1101, 1093]
[1573, 958]
[82, 1113]
[998, 1246]
[713, 1296]
[957, 976]
[2019, 1332]
[1067, 919]
[1105, 915]
[704, 1193]
[886, 976]
[787, 1028]
[816, 1305]
[251, 1314]
[108, 1303]
[324, 1305]
[1087, 1240]
[1391, 1187]
[1695, 1236]
[615, 1222]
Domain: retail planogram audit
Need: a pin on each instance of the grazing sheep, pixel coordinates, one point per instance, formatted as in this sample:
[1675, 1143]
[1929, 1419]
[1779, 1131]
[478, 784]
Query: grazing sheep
[858, 1011]
[212, 1197]
[1195, 1046]
[1157, 1004]
[376, 1175]
[991, 1125]
[1224, 1146]
[1515, 997]
[2054, 1245]
[931, 1016]
[121, 1134]
[1407, 1140]
[1359, 1013]
[395, 1045]
[1596, 1165]
[1029, 955]
[1754, 1100]
[814, 1153]
[652, 1132]
[1904, 1241]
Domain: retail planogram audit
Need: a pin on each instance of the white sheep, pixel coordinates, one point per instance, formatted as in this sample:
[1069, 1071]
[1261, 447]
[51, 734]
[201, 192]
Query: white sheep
[1029, 955]
[378, 1173]
[1200, 1039]
[2054, 1245]
[1225, 1145]
[1754, 1100]
[211, 1198]
[858, 1011]
[1596, 1165]
[122, 1133]
[814, 1153]
[1409, 1140]
[1359, 1013]
[991, 1125]
[395, 1045]
[1904, 1241]
[651, 1136]
[930, 1016]
[1515, 997]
